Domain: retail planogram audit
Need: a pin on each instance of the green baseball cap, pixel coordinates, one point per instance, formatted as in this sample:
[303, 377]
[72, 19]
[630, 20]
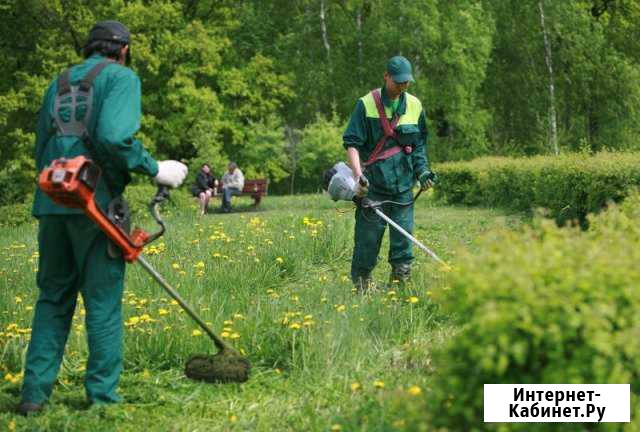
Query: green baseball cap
[399, 68]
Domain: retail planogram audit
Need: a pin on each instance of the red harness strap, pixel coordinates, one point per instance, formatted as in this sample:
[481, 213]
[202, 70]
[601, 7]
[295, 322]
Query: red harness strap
[388, 131]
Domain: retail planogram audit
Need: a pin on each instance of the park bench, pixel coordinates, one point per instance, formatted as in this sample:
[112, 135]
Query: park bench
[256, 189]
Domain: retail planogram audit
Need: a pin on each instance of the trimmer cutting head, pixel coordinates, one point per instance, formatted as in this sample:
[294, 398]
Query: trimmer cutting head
[223, 367]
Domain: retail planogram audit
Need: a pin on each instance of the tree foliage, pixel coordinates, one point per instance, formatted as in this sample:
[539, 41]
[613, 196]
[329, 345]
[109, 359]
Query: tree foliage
[270, 84]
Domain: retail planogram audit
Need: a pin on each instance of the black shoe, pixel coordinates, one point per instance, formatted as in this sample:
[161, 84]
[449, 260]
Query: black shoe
[28, 408]
[400, 273]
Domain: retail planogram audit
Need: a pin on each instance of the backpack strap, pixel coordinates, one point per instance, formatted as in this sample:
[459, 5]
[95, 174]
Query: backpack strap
[64, 85]
[73, 98]
[87, 81]
[388, 130]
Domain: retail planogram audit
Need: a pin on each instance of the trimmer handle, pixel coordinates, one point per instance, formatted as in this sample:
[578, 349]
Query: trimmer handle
[161, 196]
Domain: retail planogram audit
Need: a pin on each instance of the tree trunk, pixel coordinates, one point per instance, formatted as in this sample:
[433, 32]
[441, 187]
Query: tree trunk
[359, 36]
[552, 96]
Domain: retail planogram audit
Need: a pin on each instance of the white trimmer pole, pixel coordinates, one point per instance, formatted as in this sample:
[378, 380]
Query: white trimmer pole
[409, 236]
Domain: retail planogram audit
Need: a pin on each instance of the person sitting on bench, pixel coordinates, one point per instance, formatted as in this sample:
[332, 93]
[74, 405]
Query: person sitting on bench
[232, 184]
[204, 187]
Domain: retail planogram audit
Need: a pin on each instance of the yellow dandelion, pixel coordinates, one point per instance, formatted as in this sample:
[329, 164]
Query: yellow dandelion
[336, 427]
[238, 316]
[196, 333]
[228, 322]
[18, 299]
[379, 384]
[279, 260]
[199, 265]
[341, 308]
[235, 335]
[294, 326]
[233, 418]
[162, 312]
[413, 300]
[414, 390]
[308, 317]
[225, 334]
[175, 266]
[355, 386]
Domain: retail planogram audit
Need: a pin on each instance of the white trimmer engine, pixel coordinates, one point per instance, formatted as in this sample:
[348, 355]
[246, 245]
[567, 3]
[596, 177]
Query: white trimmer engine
[339, 182]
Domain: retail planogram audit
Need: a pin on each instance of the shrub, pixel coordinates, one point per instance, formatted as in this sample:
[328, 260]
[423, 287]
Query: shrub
[13, 215]
[569, 186]
[547, 305]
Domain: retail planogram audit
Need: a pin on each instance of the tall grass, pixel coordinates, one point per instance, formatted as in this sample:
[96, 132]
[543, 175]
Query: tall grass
[275, 284]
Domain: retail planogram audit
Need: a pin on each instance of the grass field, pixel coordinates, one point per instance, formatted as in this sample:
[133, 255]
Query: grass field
[275, 284]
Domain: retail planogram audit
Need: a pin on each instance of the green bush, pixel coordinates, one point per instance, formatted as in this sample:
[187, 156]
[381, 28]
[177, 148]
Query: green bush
[13, 215]
[546, 305]
[569, 186]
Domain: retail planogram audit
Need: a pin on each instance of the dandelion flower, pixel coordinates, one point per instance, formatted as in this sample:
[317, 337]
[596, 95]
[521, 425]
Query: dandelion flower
[414, 390]
[413, 300]
[355, 386]
[336, 428]
[341, 308]
[279, 260]
[294, 326]
[196, 332]
[379, 384]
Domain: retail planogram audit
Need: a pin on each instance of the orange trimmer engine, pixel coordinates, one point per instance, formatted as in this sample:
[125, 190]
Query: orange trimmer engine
[72, 183]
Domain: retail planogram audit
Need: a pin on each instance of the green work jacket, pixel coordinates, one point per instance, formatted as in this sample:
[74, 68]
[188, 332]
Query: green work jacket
[398, 173]
[114, 120]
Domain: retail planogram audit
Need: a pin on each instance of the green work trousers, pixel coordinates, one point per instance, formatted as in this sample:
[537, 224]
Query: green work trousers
[74, 259]
[369, 231]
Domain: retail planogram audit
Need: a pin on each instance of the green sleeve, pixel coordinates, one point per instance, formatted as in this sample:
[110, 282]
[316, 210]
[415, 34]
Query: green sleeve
[119, 121]
[356, 133]
[420, 162]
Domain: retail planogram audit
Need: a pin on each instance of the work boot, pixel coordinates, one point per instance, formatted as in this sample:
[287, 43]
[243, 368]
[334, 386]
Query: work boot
[363, 283]
[400, 273]
[28, 408]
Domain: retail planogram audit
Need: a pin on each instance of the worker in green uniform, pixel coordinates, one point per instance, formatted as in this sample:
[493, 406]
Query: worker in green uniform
[92, 109]
[386, 148]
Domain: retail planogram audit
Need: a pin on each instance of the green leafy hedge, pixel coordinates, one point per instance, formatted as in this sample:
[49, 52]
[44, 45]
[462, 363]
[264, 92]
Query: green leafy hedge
[569, 186]
[546, 305]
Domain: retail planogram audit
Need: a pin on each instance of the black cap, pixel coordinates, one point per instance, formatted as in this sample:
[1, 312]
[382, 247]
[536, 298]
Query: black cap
[110, 30]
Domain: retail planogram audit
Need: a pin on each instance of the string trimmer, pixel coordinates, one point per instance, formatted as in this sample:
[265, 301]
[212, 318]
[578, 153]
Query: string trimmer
[72, 183]
[341, 185]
